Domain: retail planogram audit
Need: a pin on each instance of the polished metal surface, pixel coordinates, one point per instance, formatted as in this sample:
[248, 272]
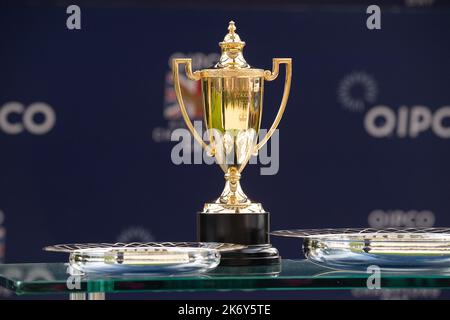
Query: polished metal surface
[394, 249]
[233, 101]
[143, 258]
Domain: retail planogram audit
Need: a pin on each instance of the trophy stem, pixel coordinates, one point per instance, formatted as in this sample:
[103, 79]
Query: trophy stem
[232, 193]
[233, 199]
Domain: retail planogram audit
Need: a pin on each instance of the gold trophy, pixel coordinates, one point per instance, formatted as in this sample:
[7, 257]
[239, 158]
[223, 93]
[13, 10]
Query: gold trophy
[232, 93]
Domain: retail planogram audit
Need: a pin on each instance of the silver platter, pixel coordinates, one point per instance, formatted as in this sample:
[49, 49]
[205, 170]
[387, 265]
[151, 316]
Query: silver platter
[144, 257]
[395, 249]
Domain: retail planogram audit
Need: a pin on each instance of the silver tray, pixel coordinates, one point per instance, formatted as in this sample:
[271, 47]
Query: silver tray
[394, 249]
[144, 257]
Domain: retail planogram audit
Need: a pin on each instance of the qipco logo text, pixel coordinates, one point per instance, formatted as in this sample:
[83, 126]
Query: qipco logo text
[407, 122]
[38, 118]
[401, 218]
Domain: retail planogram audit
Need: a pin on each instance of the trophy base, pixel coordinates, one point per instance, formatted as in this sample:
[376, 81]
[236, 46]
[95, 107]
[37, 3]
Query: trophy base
[250, 229]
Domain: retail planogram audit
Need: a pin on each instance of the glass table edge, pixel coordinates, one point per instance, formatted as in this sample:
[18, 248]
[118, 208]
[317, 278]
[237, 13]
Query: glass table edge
[328, 279]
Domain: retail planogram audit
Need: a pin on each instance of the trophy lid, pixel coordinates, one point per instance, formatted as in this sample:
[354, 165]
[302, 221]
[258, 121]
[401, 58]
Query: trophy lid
[232, 48]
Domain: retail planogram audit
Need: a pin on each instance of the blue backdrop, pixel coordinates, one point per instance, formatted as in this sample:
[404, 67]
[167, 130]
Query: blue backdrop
[86, 115]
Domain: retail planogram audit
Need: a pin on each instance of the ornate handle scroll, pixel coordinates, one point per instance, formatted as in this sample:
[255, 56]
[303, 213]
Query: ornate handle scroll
[269, 76]
[176, 82]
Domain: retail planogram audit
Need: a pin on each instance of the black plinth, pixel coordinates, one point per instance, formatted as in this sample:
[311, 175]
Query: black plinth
[251, 229]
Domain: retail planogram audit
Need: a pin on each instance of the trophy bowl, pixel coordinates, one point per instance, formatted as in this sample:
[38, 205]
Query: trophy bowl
[232, 94]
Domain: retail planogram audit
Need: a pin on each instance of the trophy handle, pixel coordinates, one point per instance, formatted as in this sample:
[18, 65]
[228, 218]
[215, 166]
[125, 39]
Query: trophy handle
[176, 82]
[272, 75]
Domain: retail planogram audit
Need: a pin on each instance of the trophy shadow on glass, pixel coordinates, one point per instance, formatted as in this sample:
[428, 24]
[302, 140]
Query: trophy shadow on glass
[232, 93]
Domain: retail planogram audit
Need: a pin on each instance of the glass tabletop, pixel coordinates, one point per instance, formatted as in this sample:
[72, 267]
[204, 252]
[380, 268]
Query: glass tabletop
[44, 278]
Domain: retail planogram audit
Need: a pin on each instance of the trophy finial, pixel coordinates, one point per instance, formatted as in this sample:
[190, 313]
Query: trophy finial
[232, 47]
[232, 36]
[232, 27]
